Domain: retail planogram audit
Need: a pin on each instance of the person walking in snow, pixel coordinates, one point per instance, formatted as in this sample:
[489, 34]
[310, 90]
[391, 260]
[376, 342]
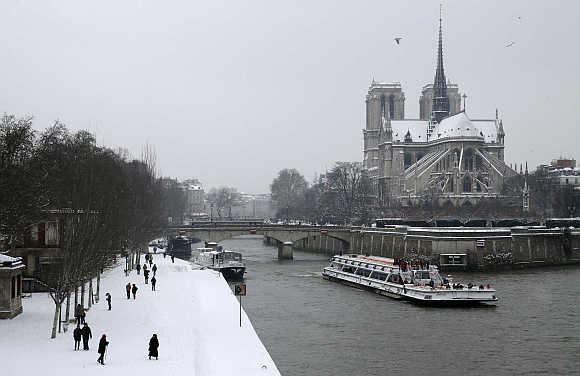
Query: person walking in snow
[153, 282]
[154, 268]
[154, 249]
[79, 311]
[150, 259]
[77, 334]
[86, 333]
[138, 268]
[153, 346]
[108, 300]
[135, 288]
[102, 349]
[128, 289]
[146, 275]
[172, 258]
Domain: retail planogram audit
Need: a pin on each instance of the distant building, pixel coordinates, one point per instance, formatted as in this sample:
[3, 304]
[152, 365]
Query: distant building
[444, 153]
[254, 206]
[561, 172]
[195, 197]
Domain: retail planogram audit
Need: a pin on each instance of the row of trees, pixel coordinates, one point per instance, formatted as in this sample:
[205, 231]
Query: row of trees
[342, 196]
[104, 201]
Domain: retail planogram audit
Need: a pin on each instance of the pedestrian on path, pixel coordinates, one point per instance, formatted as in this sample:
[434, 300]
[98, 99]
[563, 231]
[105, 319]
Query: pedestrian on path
[154, 268]
[146, 258]
[138, 268]
[86, 333]
[79, 314]
[146, 274]
[102, 349]
[164, 254]
[153, 346]
[153, 282]
[172, 258]
[108, 300]
[135, 288]
[150, 259]
[154, 249]
[77, 334]
[128, 289]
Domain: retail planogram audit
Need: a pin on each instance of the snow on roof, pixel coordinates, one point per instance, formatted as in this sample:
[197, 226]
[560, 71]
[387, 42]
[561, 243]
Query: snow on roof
[457, 125]
[417, 129]
[10, 262]
[488, 128]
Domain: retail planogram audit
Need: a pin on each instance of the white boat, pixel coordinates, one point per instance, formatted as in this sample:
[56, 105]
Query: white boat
[229, 263]
[421, 284]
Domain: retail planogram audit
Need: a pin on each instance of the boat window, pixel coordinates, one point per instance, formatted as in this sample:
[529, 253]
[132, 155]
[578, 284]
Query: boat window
[422, 275]
[379, 276]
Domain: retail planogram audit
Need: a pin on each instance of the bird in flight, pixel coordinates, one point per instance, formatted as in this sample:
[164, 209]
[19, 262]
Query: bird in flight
[398, 39]
[510, 44]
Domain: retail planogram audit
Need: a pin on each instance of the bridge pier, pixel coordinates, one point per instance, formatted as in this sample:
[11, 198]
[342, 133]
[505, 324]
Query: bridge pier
[285, 251]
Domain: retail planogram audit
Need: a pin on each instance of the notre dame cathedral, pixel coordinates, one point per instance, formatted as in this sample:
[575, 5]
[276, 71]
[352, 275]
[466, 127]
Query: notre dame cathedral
[444, 154]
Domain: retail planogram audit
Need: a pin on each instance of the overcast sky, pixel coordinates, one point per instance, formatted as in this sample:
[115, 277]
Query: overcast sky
[230, 92]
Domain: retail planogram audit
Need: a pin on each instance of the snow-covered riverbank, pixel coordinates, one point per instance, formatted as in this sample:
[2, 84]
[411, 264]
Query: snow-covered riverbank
[193, 312]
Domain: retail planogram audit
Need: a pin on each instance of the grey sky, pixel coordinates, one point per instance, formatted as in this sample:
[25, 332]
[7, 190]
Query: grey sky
[231, 92]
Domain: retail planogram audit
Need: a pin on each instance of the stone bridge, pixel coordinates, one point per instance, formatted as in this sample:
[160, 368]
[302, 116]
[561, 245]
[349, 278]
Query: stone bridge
[283, 236]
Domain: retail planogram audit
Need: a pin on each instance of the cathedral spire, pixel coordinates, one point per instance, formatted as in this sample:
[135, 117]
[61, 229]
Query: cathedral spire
[440, 99]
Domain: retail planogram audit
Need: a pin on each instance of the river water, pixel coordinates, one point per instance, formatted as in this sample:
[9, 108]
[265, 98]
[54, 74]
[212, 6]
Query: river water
[312, 326]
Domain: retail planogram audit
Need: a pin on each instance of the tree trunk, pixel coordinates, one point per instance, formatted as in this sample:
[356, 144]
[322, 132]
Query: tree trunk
[90, 302]
[55, 320]
[76, 296]
[98, 285]
[83, 295]
[66, 316]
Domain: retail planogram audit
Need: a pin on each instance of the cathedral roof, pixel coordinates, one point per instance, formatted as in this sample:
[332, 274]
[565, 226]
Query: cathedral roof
[457, 125]
[416, 128]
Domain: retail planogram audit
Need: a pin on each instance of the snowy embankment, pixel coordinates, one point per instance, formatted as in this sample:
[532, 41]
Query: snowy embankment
[193, 312]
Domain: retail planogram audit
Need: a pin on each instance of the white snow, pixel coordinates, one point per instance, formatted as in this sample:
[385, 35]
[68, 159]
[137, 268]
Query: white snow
[193, 312]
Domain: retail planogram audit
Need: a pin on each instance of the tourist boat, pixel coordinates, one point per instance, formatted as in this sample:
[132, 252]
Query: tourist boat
[228, 263]
[421, 284]
[180, 244]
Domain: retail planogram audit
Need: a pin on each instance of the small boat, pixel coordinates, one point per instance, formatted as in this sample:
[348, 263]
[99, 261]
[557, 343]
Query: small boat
[420, 284]
[179, 245]
[228, 263]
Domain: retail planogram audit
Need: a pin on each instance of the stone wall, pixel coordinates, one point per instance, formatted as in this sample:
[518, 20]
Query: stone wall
[486, 248]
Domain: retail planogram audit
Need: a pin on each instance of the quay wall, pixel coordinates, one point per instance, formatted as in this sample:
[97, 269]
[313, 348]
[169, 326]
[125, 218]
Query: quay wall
[486, 248]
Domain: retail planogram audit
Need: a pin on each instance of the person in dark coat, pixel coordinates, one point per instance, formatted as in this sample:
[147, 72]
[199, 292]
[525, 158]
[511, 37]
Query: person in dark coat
[154, 269]
[153, 346]
[134, 290]
[138, 269]
[172, 258]
[150, 259]
[77, 334]
[153, 282]
[86, 333]
[79, 313]
[108, 300]
[128, 289]
[146, 275]
[102, 349]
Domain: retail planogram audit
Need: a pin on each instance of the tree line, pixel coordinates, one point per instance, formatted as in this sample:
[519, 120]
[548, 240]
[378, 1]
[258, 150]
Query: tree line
[105, 202]
[341, 196]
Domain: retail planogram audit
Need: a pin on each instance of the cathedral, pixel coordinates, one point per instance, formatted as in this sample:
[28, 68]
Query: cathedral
[443, 155]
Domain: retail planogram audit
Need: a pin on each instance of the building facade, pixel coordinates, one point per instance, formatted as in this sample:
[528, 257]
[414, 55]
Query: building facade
[444, 154]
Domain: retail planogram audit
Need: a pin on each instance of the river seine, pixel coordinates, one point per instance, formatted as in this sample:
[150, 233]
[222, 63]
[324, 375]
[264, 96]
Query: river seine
[312, 326]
